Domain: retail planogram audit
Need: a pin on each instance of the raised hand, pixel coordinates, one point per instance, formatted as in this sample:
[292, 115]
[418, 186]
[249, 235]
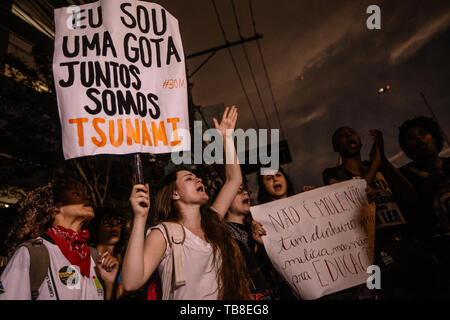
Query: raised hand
[377, 152]
[228, 122]
[377, 137]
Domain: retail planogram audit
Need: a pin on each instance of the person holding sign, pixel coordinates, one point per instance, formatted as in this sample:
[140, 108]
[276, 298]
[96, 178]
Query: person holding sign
[212, 266]
[239, 225]
[398, 253]
[56, 263]
[272, 187]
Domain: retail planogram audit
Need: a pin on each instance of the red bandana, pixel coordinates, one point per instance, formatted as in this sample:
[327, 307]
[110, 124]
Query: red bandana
[73, 246]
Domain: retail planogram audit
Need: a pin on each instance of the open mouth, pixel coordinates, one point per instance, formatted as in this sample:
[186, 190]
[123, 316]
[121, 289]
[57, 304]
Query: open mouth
[352, 143]
[277, 187]
[246, 201]
[201, 189]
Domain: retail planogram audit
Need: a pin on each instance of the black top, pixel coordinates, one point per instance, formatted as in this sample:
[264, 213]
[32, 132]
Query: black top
[241, 234]
[266, 279]
[434, 192]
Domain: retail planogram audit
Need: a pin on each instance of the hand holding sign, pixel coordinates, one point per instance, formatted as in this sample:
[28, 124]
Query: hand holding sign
[140, 194]
[258, 232]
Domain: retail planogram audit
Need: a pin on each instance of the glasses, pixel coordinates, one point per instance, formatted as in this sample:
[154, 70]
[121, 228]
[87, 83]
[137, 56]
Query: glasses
[242, 190]
[113, 222]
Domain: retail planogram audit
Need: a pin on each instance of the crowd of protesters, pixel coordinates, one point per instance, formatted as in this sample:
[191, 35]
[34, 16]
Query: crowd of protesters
[58, 248]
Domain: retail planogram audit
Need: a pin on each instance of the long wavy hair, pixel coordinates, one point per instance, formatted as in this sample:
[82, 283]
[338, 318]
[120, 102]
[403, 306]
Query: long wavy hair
[234, 282]
[37, 212]
[264, 196]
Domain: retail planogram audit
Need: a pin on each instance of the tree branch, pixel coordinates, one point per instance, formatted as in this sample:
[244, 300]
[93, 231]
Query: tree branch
[83, 175]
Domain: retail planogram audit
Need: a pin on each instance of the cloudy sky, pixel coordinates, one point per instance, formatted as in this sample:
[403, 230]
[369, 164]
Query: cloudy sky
[342, 62]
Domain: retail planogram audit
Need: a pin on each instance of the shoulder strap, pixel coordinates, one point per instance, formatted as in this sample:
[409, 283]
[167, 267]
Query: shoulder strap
[175, 267]
[175, 233]
[39, 263]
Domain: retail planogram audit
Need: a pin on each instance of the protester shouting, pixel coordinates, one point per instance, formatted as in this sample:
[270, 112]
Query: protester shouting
[239, 225]
[271, 187]
[213, 266]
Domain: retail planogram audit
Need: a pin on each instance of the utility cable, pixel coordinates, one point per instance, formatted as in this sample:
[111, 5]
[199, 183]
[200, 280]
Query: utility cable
[265, 70]
[234, 63]
[249, 64]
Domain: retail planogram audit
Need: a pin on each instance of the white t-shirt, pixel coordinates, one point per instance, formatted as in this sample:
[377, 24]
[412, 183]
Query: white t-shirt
[64, 282]
[200, 271]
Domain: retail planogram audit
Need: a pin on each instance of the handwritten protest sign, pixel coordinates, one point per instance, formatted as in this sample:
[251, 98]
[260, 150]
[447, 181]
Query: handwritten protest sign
[320, 241]
[120, 79]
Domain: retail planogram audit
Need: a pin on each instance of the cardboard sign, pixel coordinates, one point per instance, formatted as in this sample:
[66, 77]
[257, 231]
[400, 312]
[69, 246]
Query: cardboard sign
[120, 79]
[320, 241]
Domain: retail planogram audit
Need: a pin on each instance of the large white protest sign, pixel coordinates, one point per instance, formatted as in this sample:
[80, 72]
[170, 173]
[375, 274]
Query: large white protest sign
[320, 241]
[120, 79]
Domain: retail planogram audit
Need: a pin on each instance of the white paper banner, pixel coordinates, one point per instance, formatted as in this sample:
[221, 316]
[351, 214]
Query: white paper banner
[320, 241]
[120, 79]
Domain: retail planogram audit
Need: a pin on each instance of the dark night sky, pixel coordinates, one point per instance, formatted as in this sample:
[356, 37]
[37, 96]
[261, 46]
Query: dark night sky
[344, 65]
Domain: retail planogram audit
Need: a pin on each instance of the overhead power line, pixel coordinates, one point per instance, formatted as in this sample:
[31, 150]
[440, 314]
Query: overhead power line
[234, 62]
[249, 64]
[265, 70]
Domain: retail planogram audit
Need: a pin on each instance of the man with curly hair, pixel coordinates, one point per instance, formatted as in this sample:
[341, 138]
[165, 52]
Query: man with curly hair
[422, 141]
[54, 218]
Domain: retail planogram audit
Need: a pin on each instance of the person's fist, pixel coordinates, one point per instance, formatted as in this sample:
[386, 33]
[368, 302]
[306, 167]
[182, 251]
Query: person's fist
[140, 194]
[258, 232]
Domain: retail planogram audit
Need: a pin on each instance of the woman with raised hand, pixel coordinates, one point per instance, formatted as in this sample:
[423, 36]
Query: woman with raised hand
[213, 266]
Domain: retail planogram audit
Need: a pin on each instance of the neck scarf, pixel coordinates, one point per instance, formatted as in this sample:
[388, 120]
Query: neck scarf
[73, 246]
[238, 232]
